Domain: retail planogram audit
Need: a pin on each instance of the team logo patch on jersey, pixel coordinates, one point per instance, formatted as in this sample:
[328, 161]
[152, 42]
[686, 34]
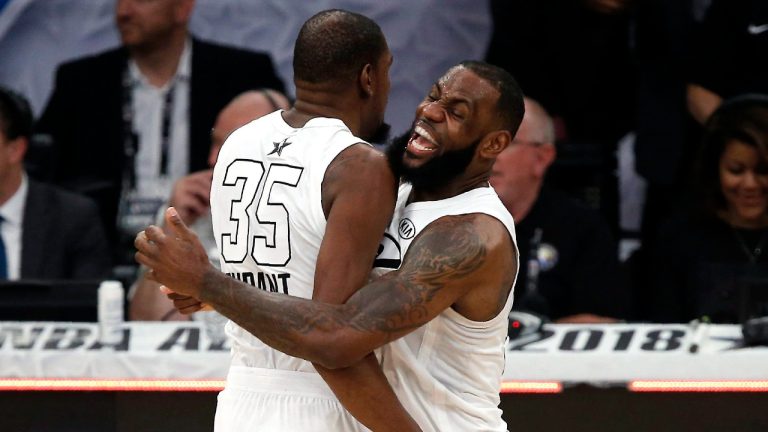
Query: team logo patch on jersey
[406, 229]
[279, 146]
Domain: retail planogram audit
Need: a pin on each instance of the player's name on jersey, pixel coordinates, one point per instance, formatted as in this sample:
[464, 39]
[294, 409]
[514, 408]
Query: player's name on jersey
[264, 281]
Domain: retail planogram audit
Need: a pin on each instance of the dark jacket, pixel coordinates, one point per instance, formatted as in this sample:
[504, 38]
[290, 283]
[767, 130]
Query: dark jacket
[62, 236]
[578, 259]
[84, 117]
[701, 267]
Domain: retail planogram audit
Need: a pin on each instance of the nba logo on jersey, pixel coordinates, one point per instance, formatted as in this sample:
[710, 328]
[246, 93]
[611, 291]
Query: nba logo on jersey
[406, 230]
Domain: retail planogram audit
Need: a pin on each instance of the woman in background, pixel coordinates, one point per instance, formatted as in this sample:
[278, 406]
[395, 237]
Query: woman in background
[713, 261]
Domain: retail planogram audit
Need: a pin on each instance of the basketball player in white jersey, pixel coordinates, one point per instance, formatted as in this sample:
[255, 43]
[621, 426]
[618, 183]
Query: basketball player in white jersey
[441, 317]
[299, 203]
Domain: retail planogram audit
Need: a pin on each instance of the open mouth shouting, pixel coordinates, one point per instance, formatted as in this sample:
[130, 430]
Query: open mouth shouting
[422, 142]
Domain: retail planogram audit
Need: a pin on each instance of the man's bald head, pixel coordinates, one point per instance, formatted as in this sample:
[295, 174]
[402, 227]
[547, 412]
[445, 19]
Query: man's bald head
[334, 45]
[537, 125]
[519, 170]
[243, 109]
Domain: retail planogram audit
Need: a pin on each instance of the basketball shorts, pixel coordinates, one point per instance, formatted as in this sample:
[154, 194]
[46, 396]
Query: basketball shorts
[266, 400]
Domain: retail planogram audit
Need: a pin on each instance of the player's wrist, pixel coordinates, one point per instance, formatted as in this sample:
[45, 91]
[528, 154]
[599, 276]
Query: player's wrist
[207, 285]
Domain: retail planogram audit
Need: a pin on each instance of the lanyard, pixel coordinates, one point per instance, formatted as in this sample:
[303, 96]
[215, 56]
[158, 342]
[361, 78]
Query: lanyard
[165, 134]
[3, 256]
[131, 138]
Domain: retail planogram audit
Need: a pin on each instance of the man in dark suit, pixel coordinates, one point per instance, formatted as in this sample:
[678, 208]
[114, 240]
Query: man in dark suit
[572, 272]
[128, 119]
[45, 233]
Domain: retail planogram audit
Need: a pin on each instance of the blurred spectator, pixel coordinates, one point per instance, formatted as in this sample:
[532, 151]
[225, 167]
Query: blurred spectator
[729, 55]
[128, 122]
[573, 57]
[706, 256]
[663, 33]
[572, 266]
[191, 198]
[666, 135]
[45, 233]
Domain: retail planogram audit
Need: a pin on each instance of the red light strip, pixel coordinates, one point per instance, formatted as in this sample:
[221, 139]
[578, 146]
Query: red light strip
[531, 387]
[217, 385]
[63, 384]
[698, 386]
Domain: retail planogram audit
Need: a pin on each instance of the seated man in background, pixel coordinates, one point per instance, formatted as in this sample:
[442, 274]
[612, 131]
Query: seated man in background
[126, 123]
[569, 265]
[191, 198]
[45, 233]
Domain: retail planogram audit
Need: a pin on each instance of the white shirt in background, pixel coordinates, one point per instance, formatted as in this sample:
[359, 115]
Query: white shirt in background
[12, 226]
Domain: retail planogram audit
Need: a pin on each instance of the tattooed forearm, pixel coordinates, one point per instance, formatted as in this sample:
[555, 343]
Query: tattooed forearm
[279, 320]
[442, 256]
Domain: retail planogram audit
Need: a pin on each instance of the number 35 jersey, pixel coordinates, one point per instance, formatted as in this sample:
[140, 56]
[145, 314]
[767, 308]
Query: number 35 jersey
[267, 215]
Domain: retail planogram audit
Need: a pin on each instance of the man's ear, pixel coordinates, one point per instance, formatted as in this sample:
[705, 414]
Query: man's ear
[545, 155]
[366, 80]
[495, 143]
[18, 148]
[184, 10]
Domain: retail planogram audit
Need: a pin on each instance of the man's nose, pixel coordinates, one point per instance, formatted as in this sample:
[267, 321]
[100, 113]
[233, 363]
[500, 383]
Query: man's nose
[123, 8]
[433, 111]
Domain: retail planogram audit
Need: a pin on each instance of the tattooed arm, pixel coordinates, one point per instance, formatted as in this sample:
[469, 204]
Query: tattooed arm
[464, 262]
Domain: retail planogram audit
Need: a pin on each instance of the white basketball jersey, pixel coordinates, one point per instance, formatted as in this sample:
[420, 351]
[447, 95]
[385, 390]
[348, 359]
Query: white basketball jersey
[268, 218]
[447, 373]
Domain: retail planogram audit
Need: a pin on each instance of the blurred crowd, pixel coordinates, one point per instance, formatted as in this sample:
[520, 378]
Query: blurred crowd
[677, 88]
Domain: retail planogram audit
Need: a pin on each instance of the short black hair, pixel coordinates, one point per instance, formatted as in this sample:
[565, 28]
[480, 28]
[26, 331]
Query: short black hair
[743, 118]
[510, 105]
[15, 115]
[334, 45]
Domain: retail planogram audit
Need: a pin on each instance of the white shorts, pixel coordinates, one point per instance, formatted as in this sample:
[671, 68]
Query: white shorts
[257, 399]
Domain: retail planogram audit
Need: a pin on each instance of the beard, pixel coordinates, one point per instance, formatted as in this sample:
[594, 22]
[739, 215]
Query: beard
[436, 172]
